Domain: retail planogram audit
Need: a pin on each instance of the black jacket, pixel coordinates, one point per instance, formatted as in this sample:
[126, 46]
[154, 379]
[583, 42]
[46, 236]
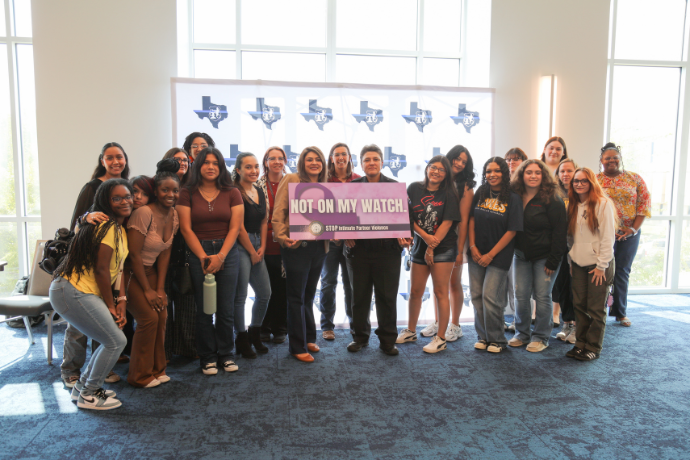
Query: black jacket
[385, 244]
[544, 232]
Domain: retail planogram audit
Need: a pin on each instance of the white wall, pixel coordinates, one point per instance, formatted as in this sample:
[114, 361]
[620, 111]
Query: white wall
[102, 74]
[531, 38]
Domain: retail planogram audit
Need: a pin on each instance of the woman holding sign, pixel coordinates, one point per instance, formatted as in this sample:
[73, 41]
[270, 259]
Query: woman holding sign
[303, 260]
[435, 212]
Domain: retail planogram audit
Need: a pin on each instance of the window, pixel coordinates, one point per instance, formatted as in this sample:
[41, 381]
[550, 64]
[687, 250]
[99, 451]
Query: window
[399, 42]
[645, 116]
[20, 209]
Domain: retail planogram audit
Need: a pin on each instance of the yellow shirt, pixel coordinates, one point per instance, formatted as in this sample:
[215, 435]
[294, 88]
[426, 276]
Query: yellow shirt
[87, 281]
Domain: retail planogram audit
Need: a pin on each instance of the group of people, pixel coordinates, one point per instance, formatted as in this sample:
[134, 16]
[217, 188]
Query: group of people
[534, 231]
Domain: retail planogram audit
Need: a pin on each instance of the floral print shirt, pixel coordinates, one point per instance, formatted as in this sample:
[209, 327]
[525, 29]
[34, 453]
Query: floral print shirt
[630, 195]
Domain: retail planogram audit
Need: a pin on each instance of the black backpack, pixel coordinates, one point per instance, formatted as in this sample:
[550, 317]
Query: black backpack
[56, 250]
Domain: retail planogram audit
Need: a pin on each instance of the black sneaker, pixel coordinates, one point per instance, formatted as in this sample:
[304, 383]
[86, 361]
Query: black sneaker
[587, 355]
[574, 352]
[391, 350]
[356, 346]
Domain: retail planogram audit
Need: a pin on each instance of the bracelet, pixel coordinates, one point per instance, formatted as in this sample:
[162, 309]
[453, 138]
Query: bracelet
[221, 256]
[473, 246]
[122, 298]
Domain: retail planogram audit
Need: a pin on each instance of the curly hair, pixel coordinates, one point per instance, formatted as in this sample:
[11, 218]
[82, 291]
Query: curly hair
[464, 178]
[484, 190]
[82, 254]
[187, 146]
[548, 187]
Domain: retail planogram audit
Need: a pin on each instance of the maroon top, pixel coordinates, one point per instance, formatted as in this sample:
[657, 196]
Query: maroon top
[352, 177]
[206, 224]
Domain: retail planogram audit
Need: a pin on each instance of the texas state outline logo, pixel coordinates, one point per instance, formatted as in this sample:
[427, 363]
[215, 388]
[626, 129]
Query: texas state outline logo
[419, 117]
[319, 115]
[468, 118]
[269, 114]
[214, 112]
[394, 161]
[368, 115]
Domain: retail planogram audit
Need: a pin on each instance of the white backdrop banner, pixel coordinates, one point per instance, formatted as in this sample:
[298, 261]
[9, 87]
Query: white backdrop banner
[410, 124]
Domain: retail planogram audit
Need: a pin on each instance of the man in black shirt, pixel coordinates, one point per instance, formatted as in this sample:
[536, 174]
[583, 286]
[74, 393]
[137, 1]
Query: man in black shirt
[374, 265]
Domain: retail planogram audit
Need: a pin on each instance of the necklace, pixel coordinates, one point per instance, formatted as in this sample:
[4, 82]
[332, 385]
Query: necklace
[211, 201]
[491, 194]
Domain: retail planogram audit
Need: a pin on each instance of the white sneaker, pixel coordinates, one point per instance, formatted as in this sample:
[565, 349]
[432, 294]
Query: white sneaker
[210, 369]
[453, 333]
[564, 331]
[78, 387]
[112, 377]
[436, 345]
[431, 330]
[98, 401]
[571, 336]
[230, 366]
[536, 347]
[481, 345]
[153, 383]
[406, 336]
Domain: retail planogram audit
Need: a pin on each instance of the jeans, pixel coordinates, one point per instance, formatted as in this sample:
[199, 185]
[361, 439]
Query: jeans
[510, 289]
[214, 342]
[275, 320]
[257, 276]
[589, 302]
[488, 291]
[377, 271]
[89, 314]
[531, 280]
[303, 267]
[624, 252]
[335, 259]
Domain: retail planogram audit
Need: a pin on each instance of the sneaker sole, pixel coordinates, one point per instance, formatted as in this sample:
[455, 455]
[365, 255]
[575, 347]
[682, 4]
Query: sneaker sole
[434, 351]
[424, 334]
[480, 347]
[495, 350]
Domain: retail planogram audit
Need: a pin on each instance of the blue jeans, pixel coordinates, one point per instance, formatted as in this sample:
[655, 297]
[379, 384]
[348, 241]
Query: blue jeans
[624, 252]
[89, 314]
[214, 342]
[530, 280]
[335, 259]
[302, 268]
[257, 276]
[488, 291]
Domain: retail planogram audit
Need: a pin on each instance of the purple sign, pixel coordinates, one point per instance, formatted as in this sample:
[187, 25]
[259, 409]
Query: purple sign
[324, 211]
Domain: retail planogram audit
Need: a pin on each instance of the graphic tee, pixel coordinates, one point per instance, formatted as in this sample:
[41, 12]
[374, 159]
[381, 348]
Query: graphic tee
[429, 210]
[492, 219]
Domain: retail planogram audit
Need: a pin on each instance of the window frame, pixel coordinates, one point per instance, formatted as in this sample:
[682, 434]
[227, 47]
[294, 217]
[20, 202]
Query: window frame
[676, 218]
[21, 218]
[330, 50]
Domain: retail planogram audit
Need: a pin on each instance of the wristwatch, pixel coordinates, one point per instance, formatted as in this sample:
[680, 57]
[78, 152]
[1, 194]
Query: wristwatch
[634, 231]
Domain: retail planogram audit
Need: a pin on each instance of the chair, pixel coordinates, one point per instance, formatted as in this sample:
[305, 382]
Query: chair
[34, 303]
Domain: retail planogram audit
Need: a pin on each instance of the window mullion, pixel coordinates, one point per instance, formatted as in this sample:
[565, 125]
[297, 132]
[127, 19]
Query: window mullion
[18, 179]
[238, 39]
[420, 42]
[331, 25]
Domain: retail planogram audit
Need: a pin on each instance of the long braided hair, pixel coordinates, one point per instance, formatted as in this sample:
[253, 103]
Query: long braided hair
[483, 191]
[82, 254]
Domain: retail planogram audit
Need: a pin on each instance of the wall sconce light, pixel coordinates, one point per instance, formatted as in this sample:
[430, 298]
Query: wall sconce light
[546, 124]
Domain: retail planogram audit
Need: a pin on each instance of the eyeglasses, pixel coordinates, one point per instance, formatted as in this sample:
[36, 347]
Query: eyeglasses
[577, 182]
[182, 161]
[513, 160]
[199, 146]
[117, 199]
[436, 169]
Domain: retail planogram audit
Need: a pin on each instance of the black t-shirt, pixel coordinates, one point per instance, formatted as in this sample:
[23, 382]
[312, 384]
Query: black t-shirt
[492, 220]
[254, 213]
[428, 210]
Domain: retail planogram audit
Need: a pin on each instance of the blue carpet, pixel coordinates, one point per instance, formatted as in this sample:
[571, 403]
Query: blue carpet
[633, 402]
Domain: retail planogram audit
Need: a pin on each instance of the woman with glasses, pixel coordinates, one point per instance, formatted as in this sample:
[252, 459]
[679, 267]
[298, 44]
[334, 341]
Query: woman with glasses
[435, 213]
[592, 225]
[83, 289]
[211, 213]
[539, 249]
[495, 218]
[180, 331]
[275, 319]
[629, 193]
[303, 260]
[554, 151]
[514, 157]
[150, 232]
[112, 164]
[195, 143]
[339, 170]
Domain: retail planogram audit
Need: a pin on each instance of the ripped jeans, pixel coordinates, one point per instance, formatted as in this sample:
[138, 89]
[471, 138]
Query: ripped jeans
[530, 280]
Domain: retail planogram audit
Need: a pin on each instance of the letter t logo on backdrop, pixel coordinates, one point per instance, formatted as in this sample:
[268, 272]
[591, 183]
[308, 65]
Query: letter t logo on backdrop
[214, 112]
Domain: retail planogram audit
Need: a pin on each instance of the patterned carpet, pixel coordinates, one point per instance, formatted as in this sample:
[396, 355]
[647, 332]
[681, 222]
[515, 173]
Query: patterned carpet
[633, 402]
